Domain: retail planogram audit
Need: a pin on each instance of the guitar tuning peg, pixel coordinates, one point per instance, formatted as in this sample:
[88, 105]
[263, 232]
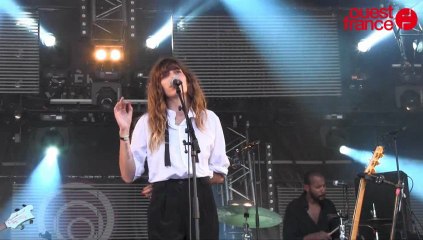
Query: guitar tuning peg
[22, 227]
[17, 209]
[31, 221]
[23, 205]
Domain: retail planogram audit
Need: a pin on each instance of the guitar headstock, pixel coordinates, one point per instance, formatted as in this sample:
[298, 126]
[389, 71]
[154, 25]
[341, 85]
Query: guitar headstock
[377, 154]
[19, 217]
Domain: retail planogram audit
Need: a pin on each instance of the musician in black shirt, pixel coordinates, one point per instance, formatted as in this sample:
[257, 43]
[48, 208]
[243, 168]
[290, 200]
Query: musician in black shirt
[311, 215]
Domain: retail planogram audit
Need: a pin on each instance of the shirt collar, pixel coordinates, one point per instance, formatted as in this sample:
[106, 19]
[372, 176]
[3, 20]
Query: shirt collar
[304, 202]
[172, 114]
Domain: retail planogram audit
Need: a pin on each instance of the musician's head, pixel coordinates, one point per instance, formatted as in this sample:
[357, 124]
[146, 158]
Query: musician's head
[315, 185]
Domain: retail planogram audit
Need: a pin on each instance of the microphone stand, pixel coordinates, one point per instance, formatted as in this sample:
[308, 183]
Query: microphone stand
[399, 194]
[251, 163]
[342, 232]
[195, 149]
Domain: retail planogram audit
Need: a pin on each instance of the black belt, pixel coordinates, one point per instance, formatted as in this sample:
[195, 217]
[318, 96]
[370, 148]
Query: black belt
[184, 180]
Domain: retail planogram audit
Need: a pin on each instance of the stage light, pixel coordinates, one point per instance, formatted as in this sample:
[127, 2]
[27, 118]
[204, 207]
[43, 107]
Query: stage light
[166, 31]
[47, 38]
[84, 19]
[344, 150]
[115, 55]
[106, 98]
[410, 100]
[18, 114]
[418, 46]
[364, 46]
[132, 18]
[152, 43]
[374, 38]
[100, 55]
[108, 53]
[52, 138]
[105, 94]
[244, 203]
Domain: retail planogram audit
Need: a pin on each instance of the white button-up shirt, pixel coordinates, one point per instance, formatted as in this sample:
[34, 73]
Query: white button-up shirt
[212, 157]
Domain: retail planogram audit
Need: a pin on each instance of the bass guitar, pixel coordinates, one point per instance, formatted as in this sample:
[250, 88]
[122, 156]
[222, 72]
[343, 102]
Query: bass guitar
[370, 170]
[18, 218]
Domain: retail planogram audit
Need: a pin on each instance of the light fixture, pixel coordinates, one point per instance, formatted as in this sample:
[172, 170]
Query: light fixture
[418, 45]
[84, 19]
[18, 113]
[100, 54]
[132, 19]
[52, 137]
[270, 179]
[410, 100]
[108, 53]
[164, 32]
[115, 55]
[105, 94]
[333, 136]
[364, 46]
[243, 203]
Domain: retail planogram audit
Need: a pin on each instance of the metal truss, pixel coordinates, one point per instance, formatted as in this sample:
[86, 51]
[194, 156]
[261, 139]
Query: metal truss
[240, 183]
[109, 20]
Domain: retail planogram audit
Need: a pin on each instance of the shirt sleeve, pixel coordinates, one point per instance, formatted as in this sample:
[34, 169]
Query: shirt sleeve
[219, 161]
[139, 145]
[334, 222]
[290, 224]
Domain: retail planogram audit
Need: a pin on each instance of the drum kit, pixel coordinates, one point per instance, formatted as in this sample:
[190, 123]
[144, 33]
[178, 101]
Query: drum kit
[246, 217]
[368, 229]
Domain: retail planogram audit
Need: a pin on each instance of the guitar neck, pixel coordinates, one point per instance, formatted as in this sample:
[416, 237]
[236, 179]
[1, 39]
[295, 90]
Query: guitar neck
[2, 226]
[357, 210]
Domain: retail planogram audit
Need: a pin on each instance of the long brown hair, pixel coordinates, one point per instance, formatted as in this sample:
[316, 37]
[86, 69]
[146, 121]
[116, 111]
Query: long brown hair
[157, 99]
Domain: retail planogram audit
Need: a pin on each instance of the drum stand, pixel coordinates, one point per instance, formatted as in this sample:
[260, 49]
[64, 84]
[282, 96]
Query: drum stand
[342, 232]
[247, 234]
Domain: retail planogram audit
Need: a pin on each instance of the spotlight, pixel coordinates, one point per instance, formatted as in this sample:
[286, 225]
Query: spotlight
[409, 97]
[49, 40]
[111, 53]
[100, 55]
[152, 43]
[418, 46]
[164, 32]
[244, 203]
[344, 150]
[18, 114]
[364, 46]
[52, 152]
[115, 55]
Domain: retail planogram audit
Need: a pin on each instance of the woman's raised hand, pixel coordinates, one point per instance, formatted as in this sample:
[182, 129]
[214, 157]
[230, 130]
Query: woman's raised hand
[123, 114]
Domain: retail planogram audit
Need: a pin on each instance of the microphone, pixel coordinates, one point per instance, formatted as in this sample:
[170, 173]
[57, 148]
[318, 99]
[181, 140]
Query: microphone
[339, 183]
[176, 83]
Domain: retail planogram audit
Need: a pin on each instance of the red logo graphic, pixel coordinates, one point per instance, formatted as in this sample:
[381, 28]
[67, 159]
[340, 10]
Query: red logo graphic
[406, 19]
[362, 19]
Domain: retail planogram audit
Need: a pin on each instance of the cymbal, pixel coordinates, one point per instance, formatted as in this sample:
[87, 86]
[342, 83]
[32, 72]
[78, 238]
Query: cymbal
[234, 215]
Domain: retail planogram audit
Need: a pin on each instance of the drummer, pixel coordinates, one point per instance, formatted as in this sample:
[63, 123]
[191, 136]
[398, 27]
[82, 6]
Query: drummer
[311, 215]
